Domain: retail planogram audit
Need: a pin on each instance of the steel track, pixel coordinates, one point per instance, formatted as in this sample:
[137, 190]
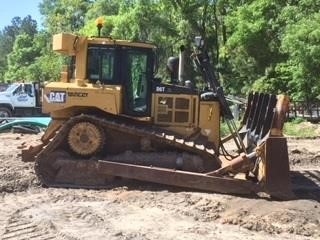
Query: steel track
[46, 171]
[305, 184]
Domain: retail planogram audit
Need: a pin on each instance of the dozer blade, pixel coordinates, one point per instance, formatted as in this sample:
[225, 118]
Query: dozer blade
[264, 119]
[178, 178]
[277, 173]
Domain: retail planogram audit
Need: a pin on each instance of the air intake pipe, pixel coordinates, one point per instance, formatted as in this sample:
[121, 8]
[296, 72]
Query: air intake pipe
[181, 73]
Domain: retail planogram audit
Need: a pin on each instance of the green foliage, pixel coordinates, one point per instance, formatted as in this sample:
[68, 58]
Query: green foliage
[8, 36]
[274, 46]
[298, 120]
[47, 65]
[102, 8]
[301, 43]
[263, 45]
[64, 15]
[224, 130]
[253, 45]
[23, 54]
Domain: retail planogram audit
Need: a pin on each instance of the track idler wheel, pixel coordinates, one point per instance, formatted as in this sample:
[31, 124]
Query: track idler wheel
[85, 139]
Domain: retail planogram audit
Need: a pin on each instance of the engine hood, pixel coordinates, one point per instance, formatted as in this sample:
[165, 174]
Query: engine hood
[4, 97]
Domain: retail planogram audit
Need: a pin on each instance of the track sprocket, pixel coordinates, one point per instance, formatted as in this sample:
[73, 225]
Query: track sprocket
[85, 138]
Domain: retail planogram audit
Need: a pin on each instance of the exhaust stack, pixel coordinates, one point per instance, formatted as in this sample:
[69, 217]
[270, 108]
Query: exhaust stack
[181, 73]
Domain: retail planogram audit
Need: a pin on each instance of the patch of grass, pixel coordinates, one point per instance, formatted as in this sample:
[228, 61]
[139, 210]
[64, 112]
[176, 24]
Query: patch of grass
[296, 128]
[303, 129]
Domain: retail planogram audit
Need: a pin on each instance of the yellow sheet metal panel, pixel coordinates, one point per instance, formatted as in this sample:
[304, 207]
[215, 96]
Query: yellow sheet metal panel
[66, 43]
[110, 41]
[63, 43]
[58, 96]
[81, 58]
[209, 121]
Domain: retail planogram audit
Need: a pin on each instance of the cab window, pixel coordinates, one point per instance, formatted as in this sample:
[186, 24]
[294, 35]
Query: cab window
[137, 74]
[18, 90]
[100, 64]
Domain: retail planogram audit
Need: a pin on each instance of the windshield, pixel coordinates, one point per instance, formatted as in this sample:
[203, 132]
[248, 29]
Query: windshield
[12, 87]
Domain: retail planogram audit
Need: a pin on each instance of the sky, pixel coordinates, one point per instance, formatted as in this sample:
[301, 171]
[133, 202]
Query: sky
[19, 8]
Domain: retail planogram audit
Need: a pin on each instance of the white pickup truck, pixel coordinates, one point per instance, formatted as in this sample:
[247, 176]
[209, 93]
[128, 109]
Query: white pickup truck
[21, 99]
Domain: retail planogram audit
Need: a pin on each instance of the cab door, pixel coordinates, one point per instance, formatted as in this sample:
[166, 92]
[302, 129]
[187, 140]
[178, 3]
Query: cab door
[137, 74]
[24, 96]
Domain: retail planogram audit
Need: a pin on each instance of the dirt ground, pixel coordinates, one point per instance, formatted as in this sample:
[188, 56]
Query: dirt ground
[136, 210]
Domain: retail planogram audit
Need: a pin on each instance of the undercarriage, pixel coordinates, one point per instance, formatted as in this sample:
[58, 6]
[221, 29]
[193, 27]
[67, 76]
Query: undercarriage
[89, 152]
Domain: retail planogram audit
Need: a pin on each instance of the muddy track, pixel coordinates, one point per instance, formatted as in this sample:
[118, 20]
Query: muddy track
[17, 224]
[18, 227]
[46, 171]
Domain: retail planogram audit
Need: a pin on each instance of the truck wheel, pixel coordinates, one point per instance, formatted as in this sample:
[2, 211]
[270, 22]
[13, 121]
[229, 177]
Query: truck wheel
[5, 112]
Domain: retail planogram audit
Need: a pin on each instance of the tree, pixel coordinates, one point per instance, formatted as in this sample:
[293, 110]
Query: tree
[103, 8]
[23, 54]
[64, 15]
[302, 44]
[140, 20]
[8, 36]
[264, 45]
[272, 46]
[253, 44]
[47, 65]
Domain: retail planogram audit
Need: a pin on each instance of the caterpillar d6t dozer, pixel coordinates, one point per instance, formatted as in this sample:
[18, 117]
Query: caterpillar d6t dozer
[112, 118]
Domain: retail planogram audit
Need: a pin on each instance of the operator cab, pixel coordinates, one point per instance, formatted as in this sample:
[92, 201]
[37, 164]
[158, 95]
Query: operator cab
[128, 66]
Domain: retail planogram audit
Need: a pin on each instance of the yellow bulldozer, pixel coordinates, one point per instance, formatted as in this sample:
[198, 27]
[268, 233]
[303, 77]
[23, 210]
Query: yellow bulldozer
[111, 117]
